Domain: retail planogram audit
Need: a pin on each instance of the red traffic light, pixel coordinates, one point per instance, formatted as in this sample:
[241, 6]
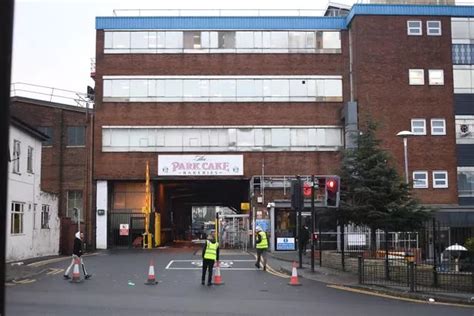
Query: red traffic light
[331, 184]
[307, 189]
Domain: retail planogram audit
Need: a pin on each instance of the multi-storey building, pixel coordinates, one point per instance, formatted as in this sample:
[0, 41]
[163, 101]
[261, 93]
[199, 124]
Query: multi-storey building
[227, 108]
[65, 166]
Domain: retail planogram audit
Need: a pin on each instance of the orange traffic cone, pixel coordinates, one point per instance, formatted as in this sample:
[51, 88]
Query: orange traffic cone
[217, 275]
[294, 276]
[76, 274]
[151, 275]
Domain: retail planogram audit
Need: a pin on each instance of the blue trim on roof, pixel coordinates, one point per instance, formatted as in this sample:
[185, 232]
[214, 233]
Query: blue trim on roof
[220, 23]
[410, 10]
[276, 22]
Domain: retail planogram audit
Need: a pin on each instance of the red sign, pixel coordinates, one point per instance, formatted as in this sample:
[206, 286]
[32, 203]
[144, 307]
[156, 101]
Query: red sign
[315, 236]
[123, 229]
[307, 189]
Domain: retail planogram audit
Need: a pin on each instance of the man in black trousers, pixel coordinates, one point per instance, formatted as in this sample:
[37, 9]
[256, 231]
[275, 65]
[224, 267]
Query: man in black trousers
[210, 253]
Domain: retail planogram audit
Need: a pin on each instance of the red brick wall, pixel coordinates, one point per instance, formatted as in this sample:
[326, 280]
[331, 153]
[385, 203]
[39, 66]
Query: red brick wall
[383, 54]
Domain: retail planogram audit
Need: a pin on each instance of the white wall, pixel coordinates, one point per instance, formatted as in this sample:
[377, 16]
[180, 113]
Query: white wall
[25, 188]
[101, 224]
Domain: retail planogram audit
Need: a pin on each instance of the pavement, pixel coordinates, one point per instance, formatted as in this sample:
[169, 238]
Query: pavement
[282, 262]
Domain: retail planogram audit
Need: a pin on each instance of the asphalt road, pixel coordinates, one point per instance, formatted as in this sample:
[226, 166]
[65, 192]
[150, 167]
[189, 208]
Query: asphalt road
[117, 288]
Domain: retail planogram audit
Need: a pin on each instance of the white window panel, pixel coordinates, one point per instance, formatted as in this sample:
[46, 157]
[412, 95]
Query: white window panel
[418, 126]
[205, 137]
[259, 137]
[297, 39]
[258, 39]
[299, 137]
[266, 40]
[279, 40]
[138, 137]
[138, 88]
[160, 88]
[440, 179]
[214, 137]
[245, 137]
[280, 88]
[152, 40]
[191, 138]
[310, 40]
[174, 40]
[108, 40]
[248, 88]
[312, 137]
[108, 88]
[331, 40]
[244, 40]
[438, 127]
[173, 88]
[420, 179]
[462, 80]
[106, 137]
[333, 137]
[152, 88]
[173, 138]
[232, 132]
[192, 88]
[460, 29]
[121, 88]
[299, 88]
[436, 77]
[160, 137]
[120, 138]
[433, 28]
[280, 137]
[139, 40]
[224, 138]
[160, 39]
[414, 28]
[416, 77]
[205, 40]
[213, 40]
[332, 88]
[121, 39]
[222, 88]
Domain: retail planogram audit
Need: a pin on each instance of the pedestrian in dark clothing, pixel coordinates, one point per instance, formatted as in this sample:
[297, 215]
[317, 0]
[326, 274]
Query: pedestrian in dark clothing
[77, 254]
[304, 238]
[210, 253]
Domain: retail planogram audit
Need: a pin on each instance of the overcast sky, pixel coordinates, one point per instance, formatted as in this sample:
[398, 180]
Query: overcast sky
[54, 40]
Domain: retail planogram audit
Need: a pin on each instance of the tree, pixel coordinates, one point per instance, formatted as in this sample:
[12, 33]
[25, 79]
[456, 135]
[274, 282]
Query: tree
[372, 192]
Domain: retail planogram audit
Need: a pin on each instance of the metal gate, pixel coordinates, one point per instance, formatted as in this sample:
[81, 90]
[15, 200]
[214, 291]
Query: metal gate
[136, 227]
[234, 231]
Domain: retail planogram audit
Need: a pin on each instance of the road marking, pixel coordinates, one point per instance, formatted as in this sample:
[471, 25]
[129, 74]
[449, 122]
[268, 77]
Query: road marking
[273, 271]
[25, 281]
[54, 271]
[226, 265]
[9, 284]
[412, 300]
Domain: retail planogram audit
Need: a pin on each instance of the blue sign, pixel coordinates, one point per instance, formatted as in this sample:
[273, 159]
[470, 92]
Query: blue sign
[285, 243]
[264, 224]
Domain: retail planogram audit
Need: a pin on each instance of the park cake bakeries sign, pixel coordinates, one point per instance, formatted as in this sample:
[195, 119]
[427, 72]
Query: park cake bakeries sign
[200, 165]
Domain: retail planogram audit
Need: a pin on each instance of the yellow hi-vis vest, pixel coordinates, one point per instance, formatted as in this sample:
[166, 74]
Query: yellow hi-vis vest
[263, 244]
[211, 250]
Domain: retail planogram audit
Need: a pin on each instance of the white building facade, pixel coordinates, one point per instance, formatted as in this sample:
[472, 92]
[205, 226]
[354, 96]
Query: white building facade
[32, 215]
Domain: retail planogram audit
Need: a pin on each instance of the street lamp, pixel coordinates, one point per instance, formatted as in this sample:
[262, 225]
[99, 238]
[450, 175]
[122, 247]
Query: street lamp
[404, 135]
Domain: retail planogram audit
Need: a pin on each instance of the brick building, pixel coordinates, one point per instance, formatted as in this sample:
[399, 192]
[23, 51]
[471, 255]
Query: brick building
[226, 109]
[65, 165]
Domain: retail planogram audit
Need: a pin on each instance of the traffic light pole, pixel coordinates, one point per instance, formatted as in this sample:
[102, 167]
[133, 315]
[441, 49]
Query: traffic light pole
[300, 210]
[313, 219]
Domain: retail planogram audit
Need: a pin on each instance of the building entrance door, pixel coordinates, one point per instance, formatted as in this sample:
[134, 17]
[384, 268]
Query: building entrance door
[234, 231]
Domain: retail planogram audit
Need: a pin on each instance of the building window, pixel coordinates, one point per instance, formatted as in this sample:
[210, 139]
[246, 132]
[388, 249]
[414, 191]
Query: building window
[76, 136]
[226, 40]
[414, 28]
[45, 216]
[440, 179]
[74, 202]
[436, 77]
[420, 179]
[466, 181]
[192, 40]
[29, 164]
[17, 211]
[433, 28]
[16, 156]
[417, 77]
[48, 131]
[418, 126]
[438, 127]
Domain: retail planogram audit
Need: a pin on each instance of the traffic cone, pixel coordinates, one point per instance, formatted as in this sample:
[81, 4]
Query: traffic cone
[151, 275]
[76, 274]
[294, 276]
[217, 275]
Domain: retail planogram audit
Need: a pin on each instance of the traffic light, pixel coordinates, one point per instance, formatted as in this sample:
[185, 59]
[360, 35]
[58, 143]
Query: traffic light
[297, 197]
[332, 191]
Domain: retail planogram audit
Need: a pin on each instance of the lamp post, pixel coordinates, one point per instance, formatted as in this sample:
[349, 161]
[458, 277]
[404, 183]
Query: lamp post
[404, 135]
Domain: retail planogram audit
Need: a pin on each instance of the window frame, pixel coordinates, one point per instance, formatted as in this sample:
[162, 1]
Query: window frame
[16, 156]
[418, 120]
[20, 214]
[30, 160]
[428, 28]
[45, 216]
[76, 128]
[48, 131]
[432, 127]
[70, 208]
[420, 186]
[411, 80]
[440, 186]
[431, 81]
[410, 29]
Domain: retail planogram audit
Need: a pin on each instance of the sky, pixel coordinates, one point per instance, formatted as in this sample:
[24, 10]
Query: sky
[54, 40]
